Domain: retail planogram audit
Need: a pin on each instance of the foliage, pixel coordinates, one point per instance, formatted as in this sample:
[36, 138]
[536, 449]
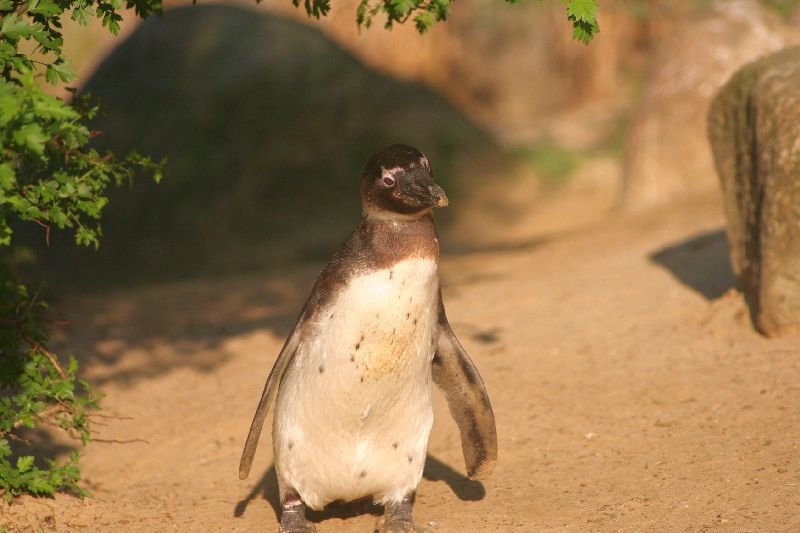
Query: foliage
[554, 163]
[36, 388]
[50, 175]
[425, 13]
[783, 7]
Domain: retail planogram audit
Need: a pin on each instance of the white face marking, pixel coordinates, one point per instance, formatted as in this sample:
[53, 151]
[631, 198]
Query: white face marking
[425, 163]
[391, 172]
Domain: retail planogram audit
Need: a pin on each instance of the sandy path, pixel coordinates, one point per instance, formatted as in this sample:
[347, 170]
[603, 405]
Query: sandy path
[630, 391]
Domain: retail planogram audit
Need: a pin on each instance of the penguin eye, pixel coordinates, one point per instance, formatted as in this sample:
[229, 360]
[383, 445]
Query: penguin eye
[389, 181]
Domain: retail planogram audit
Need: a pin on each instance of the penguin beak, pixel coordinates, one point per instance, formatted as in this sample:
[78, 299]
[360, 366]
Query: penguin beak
[437, 196]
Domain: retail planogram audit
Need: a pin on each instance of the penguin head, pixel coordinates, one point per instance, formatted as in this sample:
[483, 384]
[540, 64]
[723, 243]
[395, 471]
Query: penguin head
[398, 181]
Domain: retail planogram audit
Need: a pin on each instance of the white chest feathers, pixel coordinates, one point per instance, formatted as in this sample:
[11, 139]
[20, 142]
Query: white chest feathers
[384, 320]
[354, 408]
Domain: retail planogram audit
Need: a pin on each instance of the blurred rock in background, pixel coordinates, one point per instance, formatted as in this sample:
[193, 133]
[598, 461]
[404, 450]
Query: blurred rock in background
[267, 117]
[667, 156]
[266, 125]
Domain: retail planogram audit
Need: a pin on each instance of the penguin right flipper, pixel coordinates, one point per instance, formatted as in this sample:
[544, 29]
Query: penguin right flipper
[270, 390]
[463, 388]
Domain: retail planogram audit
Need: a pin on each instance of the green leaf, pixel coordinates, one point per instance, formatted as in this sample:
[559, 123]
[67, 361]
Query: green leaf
[54, 108]
[86, 237]
[41, 485]
[583, 15]
[7, 177]
[583, 10]
[31, 137]
[47, 8]
[423, 21]
[5, 231]
[60, 70]
[54, 45]
[13, 28]
[402, 6]
[80, 15]
[584, 32]
[10, 104]
[24, 463]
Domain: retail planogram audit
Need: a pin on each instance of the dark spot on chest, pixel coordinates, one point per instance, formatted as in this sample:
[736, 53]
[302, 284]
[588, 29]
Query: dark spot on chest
[394, 445]
[352, 358]
[415, 321]
[363, 474]
[410, 459]
[290, 445]
[321, 369]
[408, 315]
[391, 274]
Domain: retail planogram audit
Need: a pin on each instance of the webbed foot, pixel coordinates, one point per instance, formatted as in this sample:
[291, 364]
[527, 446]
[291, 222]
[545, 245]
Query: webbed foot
[293, 515]
[397, 518]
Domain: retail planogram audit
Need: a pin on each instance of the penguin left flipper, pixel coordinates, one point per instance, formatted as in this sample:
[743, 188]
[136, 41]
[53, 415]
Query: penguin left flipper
[267, 397]
[459, 380]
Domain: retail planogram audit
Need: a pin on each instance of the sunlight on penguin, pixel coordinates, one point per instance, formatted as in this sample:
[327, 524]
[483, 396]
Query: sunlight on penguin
[352, 385]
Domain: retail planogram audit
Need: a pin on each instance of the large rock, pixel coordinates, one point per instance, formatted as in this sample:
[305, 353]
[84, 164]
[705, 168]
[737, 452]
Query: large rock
[265, 124]
[754, 127]
[666, 155]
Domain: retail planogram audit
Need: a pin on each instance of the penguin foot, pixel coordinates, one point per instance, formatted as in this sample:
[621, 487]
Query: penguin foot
[399, 526]
[293, 515]
[295, 524]
[397, 518]
[308, 527]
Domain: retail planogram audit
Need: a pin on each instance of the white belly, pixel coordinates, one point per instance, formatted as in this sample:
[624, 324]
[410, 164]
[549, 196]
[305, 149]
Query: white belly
[354, 411]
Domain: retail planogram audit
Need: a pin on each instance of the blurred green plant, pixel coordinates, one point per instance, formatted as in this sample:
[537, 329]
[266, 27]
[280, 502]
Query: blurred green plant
[51, 176]
[783, 7]
[652, 8]
[552, 162]
[36, 388]
[425, 13]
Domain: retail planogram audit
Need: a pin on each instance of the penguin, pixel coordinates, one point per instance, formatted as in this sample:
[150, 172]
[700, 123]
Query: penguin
[352, 385]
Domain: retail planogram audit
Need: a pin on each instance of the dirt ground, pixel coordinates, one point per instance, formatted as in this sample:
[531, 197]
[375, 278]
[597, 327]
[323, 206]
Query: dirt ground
[630, 390]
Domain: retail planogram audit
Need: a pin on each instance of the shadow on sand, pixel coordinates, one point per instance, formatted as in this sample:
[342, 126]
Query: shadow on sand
[435, 470]
[700, 262]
